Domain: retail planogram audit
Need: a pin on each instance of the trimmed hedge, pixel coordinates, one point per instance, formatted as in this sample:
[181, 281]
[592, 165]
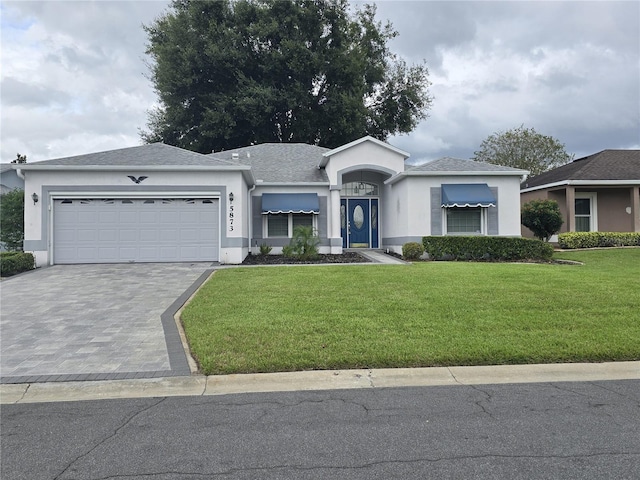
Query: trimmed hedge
[12, 263]
[487, 248]
[412, 250]
[598, 239]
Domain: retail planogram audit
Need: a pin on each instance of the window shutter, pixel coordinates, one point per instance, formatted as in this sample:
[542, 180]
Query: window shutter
[492, 215]
[436, 211]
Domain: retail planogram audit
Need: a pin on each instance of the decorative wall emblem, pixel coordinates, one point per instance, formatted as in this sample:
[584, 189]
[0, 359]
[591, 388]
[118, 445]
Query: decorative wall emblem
[137, 180]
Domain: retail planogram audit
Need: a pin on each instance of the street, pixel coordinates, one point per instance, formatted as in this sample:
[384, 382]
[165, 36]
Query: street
[572, 430]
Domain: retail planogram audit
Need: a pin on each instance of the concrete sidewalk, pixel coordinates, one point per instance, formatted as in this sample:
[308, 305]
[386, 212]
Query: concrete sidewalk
[316, 380]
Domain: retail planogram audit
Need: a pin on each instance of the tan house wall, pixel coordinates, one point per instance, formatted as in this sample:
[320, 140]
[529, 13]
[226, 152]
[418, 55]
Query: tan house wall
[618, 209]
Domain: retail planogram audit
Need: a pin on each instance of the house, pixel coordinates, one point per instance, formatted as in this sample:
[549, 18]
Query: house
[9, 179]
[600, 192]
[158, 203]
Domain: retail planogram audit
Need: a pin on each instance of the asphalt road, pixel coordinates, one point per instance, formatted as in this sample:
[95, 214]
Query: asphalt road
[586, 430]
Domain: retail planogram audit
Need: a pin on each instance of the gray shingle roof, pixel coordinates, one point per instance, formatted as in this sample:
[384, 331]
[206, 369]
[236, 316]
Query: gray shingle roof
[604, 165]
[154, 154]
[280, 162]
[448, 164]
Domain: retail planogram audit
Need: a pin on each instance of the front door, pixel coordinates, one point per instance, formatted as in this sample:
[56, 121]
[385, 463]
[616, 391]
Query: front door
[358, 223]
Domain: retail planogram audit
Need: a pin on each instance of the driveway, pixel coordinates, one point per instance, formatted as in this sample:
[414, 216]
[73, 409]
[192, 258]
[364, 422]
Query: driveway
[95, 322]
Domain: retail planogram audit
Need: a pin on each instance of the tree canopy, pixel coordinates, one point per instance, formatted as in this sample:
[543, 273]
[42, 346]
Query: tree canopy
[12, 219]
[235, 73]
[523, 148]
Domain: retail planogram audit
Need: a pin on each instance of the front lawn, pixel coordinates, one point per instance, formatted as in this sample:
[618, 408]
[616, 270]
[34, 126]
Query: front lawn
[269, 319]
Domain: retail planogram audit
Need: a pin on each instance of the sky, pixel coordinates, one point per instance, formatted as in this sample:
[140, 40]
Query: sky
[74, 74]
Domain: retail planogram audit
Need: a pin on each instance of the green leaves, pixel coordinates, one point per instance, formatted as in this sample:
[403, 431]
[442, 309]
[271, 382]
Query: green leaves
[523, 148]
[12, 219]
[230, 74]
[542, 217]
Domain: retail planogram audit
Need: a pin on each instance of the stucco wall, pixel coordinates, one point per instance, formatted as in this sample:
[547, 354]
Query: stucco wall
[408, 208]
[49, 184]
[359, 157]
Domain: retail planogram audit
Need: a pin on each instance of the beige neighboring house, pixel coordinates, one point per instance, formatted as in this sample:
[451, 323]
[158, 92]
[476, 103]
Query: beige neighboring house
[598, 193]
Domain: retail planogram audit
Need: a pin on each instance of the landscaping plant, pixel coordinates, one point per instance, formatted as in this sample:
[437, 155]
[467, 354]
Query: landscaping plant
[542, 217]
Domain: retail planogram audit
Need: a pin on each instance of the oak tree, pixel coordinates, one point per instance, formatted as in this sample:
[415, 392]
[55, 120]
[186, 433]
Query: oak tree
[523, 148]
[235, 73]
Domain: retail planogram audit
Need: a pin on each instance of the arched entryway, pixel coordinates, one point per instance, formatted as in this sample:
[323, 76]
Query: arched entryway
[359, 211]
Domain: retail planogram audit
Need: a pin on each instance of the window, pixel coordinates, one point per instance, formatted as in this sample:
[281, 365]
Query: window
[359, 189]
[465, 220]
[282, 224]
[585, 212]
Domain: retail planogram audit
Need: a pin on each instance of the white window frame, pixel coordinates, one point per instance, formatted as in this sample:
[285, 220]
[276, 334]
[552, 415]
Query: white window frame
[483, 223]
[593, 208]
[265, 224]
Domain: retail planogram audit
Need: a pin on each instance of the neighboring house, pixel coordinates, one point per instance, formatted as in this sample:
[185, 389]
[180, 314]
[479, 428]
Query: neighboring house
[9, 179]
[600, 192]
[157, 203]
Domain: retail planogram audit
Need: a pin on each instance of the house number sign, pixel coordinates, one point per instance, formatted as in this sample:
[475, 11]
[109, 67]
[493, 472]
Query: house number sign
[231, 212]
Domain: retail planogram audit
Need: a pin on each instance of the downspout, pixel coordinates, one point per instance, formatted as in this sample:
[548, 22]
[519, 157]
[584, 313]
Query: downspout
[19, 173]
[249, 217]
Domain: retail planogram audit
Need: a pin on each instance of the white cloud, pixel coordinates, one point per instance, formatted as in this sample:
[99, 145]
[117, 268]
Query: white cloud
[73, 73]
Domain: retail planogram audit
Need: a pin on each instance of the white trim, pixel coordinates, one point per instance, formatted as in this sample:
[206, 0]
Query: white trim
[484, 220]
[578, 183]
[485, 173]
[593, 209]
[133, 194]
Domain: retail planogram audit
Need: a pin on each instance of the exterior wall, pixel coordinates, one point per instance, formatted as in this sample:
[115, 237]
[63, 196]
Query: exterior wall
[616, 210]
[49, 184]
[410, 208]
[359, 157]
[9, 180]
[258, 236]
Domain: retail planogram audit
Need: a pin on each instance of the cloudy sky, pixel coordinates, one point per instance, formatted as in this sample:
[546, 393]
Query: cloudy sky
[74, 73]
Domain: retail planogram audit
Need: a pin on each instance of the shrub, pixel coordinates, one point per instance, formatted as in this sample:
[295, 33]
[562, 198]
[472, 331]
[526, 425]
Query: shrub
[542, 217]
[598, 239]
[287, 251]
[304, 243]
[412, 250]
[265, 249]
[12, 263]
[487, 248]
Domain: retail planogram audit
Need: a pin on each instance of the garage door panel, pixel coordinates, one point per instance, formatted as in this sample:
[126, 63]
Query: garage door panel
[136, 230]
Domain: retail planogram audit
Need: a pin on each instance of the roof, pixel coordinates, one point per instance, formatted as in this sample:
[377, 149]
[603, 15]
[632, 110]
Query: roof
[280, 162]
[605, 166]
[456, 166]
[449, 164]
[154, 154]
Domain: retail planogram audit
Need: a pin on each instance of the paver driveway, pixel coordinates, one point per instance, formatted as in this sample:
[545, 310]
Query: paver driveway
[90, 322]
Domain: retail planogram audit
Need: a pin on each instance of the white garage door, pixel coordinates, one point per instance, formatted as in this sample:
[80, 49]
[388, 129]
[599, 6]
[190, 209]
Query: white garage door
[135, 230]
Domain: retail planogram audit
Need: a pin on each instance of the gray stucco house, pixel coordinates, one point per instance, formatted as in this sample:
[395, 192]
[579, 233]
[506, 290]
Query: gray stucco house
[158, 203]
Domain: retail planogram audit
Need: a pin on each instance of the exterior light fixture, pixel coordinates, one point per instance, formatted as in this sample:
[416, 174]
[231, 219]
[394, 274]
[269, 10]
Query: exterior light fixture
[34, 197]
[231, 197]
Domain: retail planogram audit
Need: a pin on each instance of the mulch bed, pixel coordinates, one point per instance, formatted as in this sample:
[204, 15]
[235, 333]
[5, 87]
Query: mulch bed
[348, 257]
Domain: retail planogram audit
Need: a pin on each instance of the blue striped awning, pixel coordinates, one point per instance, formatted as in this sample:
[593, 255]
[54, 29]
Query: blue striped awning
[467, 195]
[290, 203]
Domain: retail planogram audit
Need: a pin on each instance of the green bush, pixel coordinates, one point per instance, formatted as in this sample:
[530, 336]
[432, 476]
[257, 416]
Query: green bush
[478, 248]
[542, 217]
[287, 251]
[598, 239]
[412, 250]
[304, 244]
[12, 219]
[12, 263]
[265, 249]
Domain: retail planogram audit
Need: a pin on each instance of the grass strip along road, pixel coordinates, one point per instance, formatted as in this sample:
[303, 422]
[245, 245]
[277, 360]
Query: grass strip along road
[269, 319]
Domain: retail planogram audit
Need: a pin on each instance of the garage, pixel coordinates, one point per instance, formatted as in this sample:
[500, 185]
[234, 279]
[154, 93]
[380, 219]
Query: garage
[118, 230]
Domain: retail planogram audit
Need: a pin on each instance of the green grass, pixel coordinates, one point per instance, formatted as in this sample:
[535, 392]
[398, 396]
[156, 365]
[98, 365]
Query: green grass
[270, 319]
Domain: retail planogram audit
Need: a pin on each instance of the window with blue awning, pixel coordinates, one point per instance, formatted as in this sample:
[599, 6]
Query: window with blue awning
[290, 203]
[467, 195]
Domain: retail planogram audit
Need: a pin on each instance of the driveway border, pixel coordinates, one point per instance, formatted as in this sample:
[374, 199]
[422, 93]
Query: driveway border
[178, 364]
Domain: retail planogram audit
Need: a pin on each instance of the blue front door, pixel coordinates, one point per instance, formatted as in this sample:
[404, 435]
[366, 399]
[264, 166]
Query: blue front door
[358, 226]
